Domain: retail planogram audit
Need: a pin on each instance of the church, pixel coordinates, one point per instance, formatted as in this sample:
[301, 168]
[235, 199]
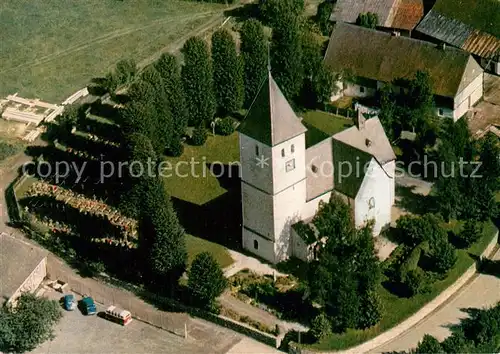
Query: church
[283, 181]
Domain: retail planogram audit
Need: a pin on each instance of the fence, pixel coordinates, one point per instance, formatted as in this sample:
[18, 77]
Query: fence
[13, 207]
[345, 112]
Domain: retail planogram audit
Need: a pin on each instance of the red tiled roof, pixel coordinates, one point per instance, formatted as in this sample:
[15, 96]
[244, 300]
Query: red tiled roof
[408, 14]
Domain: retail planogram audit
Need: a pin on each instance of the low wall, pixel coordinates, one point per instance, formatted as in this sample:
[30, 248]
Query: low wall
[404, 326]
[14, 209]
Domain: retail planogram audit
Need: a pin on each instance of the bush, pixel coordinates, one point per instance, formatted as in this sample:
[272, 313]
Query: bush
[225, 126]
[320, 327]
[416, 281]
[372, 310]
[199, 136]
[176, 148]
[7, 150]
[443, 256]
[429, 344]
[471, 233]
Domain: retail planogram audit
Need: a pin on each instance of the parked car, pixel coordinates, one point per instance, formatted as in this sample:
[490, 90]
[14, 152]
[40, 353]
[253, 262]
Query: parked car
[87, 306]
[118, 315]
[69, 302]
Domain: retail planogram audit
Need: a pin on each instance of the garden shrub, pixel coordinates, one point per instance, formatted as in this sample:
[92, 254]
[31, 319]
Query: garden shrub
[7, 150]
[372, 310]
[225, 126]
[416, 281]
[320, 327]
[443, 256]
[199, 136]
[470, 233]
[176, 148]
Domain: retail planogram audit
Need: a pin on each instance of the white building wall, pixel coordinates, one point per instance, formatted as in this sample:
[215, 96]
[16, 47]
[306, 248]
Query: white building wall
[377, 186]
[468, 97]
[300, 249]
[311, 207]
[251, 172]
[288, 206]
[32, 282]
[281, 155]
[257, 210]
[355, 90]
[265, 247]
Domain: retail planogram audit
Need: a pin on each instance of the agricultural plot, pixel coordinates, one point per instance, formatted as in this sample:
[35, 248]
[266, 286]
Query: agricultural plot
[50, 49]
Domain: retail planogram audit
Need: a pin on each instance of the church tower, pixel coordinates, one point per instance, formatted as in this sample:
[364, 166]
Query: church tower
[273, 173]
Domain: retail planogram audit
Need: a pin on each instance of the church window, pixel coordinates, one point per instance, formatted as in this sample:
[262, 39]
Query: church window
[440, 112]
[371, 203]
[292, 148]
[362, 89]
[282, 152]
[290, 165]
[314, 169]
[256, 150]
[256, 244]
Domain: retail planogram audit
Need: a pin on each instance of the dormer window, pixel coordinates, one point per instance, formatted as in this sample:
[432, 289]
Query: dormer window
[256, 150]
[292, 148]
[314, 169]
[282, 152]
[368, 142]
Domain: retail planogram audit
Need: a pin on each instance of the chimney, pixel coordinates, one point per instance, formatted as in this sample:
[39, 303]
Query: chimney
[360, 120]
[396, 34]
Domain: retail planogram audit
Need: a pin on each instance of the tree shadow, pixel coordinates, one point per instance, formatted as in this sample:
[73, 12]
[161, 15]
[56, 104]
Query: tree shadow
[106, 110]
[218, 220]
[489, 267]
[243, 13]
[397, 288]
[413, 202]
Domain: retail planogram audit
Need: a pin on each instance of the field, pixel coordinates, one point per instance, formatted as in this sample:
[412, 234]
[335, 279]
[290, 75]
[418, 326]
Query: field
[52, 48]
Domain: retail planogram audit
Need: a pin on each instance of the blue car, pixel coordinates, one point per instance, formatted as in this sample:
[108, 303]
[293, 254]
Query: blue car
[88, 306]
[69, 302]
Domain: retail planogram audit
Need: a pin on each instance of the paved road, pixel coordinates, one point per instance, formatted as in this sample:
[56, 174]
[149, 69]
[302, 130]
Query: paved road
[483, 291]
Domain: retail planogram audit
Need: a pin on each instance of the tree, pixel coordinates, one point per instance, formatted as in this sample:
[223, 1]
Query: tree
[125, 71]
[429, 344]
[255, 58]
[443, 255]
[169, 69]
[286, 55]
[272, 10]
[206, 279]
[320, 327]
[29, 324]
[323, 16]
[228, 72]
[72, 115]
[368, 20]
[323, 84]
[197, 81]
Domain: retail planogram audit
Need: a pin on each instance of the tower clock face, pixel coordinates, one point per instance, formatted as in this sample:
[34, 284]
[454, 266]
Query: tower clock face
[290, 165]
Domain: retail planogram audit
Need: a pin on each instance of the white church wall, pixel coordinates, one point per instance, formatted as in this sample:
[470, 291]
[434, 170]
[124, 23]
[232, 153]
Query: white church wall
[257, 209]
[258, 245]
[374, 198]
[259, 175]
[300, 249]
[288, 160]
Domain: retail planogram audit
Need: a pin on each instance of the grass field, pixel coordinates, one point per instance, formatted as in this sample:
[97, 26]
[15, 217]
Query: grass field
[52, 48]
[397, 309]
[196, 245]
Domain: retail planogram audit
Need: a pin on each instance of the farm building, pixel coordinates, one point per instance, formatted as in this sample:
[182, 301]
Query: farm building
[22, 268]
[442, 28]
[369, 59]
[31, 112]
[397, 15]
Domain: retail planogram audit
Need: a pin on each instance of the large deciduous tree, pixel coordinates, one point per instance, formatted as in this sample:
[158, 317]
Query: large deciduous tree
[228, 72]
[197, 81]
[271, 11]
[254, 52]
[29, 324]
[323, 16]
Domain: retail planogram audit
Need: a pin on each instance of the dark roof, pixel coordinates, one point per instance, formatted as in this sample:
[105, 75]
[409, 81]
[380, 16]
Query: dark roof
[18, 259]
[270, 119]
[357, 147]
[459, 34]
[403, 14]
[483, 15]
[384, 57]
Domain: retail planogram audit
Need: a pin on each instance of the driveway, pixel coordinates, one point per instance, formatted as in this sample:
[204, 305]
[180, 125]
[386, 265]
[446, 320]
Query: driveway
[482, 291]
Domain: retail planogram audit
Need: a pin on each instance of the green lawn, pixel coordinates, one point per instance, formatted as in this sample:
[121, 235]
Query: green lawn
[193, 181]
[398, 309]
[52, 48]
[196, 245]
[320, 125]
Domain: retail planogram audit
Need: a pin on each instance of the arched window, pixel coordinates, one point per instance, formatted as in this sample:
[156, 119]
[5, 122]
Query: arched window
[371, 203]
[282, 152]
[256, 150]
[256, 244]
[292, 148]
